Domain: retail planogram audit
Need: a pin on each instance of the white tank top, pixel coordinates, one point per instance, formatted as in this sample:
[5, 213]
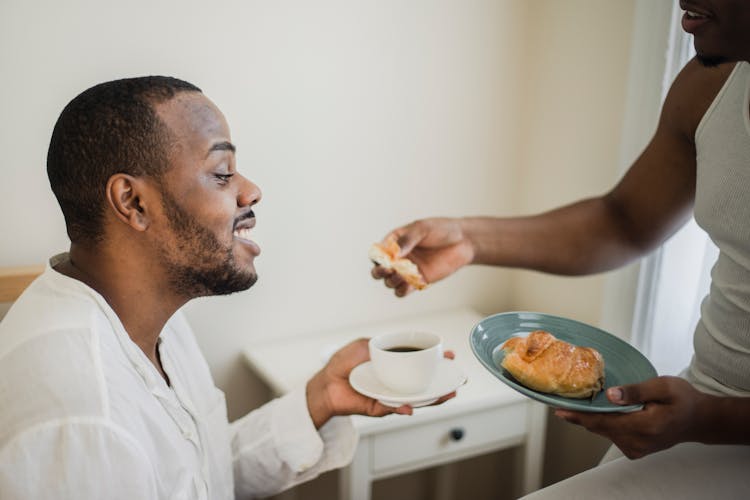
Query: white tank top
[722, 208]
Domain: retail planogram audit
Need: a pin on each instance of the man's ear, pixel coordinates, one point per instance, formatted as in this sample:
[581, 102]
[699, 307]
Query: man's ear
[128, 197]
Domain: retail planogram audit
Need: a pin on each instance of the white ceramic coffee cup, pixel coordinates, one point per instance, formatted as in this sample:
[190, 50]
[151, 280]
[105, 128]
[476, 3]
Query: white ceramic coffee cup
[406, 372]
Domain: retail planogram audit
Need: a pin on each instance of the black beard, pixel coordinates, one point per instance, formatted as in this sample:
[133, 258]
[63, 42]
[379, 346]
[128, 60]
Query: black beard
[213, 271]
[222, 279]
[710, 61]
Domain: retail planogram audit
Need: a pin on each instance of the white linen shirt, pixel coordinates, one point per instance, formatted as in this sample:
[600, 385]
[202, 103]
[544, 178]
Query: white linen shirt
[85, 415]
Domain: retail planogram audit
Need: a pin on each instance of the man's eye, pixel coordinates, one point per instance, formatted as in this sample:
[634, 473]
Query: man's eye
[223, 178]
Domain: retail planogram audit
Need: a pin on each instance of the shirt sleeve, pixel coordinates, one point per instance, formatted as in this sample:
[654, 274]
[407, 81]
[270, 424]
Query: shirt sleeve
[75, 459]
[277, 446]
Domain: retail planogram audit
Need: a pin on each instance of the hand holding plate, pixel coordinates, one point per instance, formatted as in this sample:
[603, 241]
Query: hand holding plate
[670, 415]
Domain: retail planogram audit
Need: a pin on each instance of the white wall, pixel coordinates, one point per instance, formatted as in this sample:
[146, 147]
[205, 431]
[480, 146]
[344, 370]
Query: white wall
[353, 117]
[577, 62]
[578, 55]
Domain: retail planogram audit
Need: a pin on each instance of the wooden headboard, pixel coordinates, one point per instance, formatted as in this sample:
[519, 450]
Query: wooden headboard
[14, 280]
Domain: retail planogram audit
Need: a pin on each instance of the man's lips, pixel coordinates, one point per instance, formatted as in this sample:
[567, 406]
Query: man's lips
[691, 6]
[242, 233]
[244, 223]
[694, 17]
[242, 230]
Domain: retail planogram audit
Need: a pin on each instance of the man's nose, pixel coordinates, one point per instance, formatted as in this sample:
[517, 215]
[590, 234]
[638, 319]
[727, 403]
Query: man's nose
[249, 194]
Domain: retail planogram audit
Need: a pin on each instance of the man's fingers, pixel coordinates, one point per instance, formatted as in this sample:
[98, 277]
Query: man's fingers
[591, 421]
[403, 289]
[404, 410]
[379, 272]
[394, 280]
[655, 389]
[378, 409]
[568, 416]
[445, 398]
[409, 236]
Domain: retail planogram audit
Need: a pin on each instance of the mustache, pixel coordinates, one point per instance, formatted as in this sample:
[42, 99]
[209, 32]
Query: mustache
[247, 215]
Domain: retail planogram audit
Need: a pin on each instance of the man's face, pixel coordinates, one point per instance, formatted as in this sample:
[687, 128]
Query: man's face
[721, 29]
[203, 236]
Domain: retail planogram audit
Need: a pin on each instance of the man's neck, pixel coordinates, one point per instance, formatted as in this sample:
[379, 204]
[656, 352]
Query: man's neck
[134, 288]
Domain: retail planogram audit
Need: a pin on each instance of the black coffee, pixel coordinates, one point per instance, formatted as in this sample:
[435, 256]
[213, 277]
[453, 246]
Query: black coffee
[403, 348]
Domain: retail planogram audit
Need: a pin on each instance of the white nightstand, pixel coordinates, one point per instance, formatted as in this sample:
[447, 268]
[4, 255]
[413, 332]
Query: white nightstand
[485, 416]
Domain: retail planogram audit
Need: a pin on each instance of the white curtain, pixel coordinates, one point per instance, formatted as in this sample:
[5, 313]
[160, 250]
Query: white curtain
[675, 279]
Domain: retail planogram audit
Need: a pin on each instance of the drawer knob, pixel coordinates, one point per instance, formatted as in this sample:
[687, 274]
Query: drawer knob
[457, 434]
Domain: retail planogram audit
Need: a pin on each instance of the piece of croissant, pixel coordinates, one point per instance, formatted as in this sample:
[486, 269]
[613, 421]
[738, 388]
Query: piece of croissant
[386, 254]
[543, 363]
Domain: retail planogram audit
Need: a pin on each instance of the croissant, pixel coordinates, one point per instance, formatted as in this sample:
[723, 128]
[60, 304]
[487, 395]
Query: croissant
[543, 363]
[386, 255]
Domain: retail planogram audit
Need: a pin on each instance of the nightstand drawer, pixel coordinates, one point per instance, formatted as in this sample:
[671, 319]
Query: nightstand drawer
[449, 437]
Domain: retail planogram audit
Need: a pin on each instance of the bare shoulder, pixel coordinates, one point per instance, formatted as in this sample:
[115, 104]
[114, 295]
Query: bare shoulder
[691, 94]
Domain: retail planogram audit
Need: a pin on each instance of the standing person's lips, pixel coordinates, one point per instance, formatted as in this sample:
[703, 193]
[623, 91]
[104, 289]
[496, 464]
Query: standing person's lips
[694, 18]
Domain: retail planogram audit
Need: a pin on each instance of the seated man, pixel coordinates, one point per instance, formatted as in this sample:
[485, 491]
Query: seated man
[103, 390]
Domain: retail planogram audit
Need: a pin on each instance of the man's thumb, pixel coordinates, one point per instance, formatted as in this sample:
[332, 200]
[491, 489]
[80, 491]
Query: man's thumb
[617, 395]
[408, 237]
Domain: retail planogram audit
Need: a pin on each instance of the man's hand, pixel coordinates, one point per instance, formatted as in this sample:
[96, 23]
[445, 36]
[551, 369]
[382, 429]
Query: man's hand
[438, 246]
[671, 414]
[329, 392]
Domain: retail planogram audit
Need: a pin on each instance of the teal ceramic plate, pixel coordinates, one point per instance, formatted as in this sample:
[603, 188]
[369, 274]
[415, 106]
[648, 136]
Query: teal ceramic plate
[623, 364]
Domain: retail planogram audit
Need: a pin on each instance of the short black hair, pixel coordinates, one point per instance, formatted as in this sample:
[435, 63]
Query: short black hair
[108, 129]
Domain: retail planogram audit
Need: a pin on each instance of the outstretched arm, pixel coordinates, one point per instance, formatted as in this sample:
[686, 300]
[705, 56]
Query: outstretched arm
[652, 200]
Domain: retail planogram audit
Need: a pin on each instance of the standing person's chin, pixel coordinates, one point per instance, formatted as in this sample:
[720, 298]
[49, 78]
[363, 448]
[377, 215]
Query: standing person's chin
[709, 61]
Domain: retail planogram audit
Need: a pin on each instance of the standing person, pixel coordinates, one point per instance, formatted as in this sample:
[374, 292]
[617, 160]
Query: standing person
[104, 392]
[693, 430]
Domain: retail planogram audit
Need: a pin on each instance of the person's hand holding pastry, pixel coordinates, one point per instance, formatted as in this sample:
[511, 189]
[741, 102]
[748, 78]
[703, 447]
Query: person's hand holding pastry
[420, 253]
[387, 255]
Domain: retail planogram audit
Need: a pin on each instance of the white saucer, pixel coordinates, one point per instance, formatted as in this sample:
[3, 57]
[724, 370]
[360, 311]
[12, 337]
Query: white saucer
[448, 378]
